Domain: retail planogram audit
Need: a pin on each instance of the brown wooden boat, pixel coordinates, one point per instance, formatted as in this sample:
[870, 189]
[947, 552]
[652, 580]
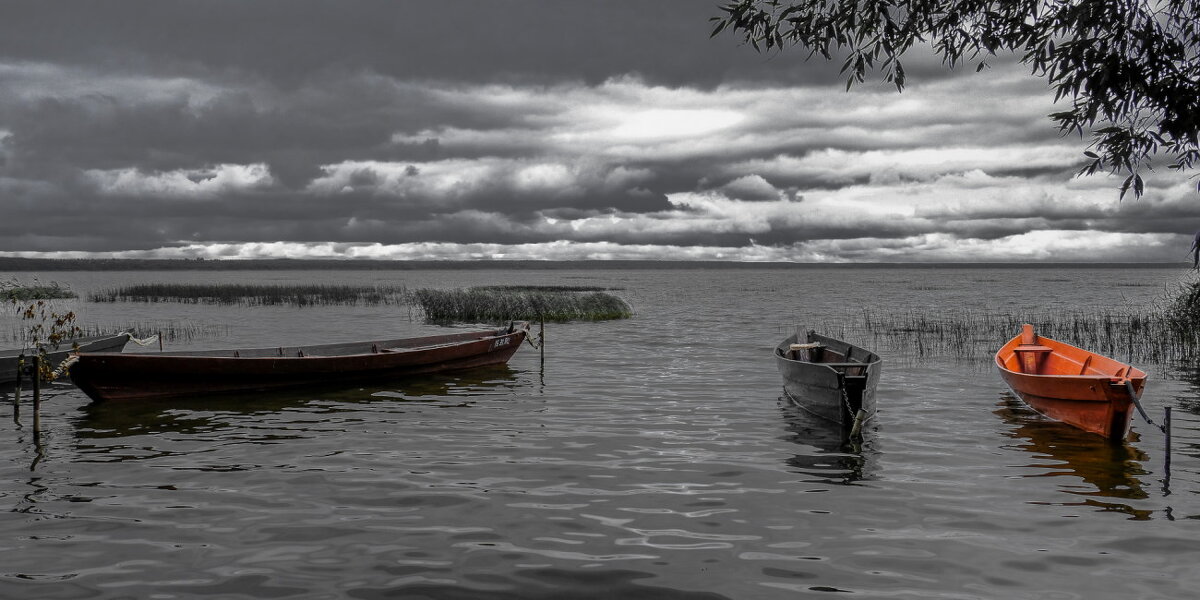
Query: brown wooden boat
[1081, 388]
[56, 354]
[829, 378]
[155, 376]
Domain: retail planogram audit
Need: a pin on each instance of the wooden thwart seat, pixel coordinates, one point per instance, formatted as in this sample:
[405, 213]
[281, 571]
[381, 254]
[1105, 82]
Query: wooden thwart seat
[1029, 356]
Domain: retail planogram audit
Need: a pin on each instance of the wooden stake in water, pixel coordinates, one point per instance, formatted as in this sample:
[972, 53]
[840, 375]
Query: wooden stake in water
[542, 339]
[37, 394]
[17, 389]
[1167, 431]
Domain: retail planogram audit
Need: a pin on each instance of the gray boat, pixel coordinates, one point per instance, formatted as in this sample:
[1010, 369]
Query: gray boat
[56, 354]
[829, 378]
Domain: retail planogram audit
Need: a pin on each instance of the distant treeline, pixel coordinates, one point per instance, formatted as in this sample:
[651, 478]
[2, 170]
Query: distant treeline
[10, 264]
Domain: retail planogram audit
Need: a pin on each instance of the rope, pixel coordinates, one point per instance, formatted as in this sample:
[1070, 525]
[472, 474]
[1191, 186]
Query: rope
[64, 365]
[142, 342]
[1142, 411]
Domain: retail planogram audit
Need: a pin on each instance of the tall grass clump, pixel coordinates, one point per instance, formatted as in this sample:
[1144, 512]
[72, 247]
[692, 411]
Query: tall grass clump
[1164, 331]
[526, 303]
[170, 330]
[254, 295]
[972, 335]
[1181, 315]
[14, 291]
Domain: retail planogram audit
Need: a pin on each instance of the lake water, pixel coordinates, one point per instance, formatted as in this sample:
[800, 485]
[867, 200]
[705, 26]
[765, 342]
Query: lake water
[649, 458]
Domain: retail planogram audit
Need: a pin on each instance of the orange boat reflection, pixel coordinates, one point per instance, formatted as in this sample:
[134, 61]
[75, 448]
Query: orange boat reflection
[1106, 471]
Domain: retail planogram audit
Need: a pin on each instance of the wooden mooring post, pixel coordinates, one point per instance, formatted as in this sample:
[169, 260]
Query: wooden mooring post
[1167, 432]
[37, 395]
[17, 388]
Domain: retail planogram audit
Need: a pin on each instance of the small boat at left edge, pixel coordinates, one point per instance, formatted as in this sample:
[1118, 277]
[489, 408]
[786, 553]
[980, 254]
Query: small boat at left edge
[56, 354]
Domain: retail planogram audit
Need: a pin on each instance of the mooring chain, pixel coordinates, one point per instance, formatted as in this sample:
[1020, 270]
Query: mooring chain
[857, 416]
[845, 398]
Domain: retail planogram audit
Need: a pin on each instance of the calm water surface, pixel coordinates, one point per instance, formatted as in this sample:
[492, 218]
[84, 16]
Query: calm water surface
[649, 458]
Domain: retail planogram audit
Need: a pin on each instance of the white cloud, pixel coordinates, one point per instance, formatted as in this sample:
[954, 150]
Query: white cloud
[752, 187]
[35, 81]
[449, 182]
[192, 183]
[1065, 246]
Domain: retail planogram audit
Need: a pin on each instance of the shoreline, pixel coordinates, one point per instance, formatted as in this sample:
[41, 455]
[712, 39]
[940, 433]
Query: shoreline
[14, 264]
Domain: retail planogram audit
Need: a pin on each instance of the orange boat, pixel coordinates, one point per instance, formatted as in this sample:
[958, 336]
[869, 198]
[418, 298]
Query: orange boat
[1092, 392]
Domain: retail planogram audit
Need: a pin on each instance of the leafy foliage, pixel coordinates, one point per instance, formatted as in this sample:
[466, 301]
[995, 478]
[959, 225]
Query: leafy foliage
[1130, 68]
[46, 327]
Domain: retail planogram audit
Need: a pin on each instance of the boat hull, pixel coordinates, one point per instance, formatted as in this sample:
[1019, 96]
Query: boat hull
[150, 376]
[1072, 385]
[101, 343]
[833, 393]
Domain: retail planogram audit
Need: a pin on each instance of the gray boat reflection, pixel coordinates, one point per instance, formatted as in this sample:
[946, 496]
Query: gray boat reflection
[829, 456]
[1106, 470]
[206, 414]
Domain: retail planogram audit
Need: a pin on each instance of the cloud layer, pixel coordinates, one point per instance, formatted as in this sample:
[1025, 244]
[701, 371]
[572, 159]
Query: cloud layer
[587, 131]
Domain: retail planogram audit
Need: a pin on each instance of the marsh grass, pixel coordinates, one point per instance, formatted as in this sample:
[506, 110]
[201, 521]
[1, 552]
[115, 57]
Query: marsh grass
[1169, 330]
[170, 330]
[972, 335]
[496, 304]
[545, 288]
[14, 291]
[484, 304]
[254, 295]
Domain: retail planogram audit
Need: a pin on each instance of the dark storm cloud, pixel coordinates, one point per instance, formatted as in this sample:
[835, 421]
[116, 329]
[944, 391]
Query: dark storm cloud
[286, 41]
[461, 128]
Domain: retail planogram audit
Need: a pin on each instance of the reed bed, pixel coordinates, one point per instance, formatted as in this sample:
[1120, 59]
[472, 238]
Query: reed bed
[472, 305]
[1157, 335]
[254, 295]
[11, 291]
[546, 288]
[527, 303]
[170, 330]
[978, 334]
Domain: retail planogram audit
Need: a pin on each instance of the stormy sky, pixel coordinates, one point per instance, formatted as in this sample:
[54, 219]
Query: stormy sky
[526, 129]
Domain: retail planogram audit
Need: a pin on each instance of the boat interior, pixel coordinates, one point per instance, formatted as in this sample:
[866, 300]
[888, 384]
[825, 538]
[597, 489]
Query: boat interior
[1032, 357]
[349, 348]
[816, 352]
